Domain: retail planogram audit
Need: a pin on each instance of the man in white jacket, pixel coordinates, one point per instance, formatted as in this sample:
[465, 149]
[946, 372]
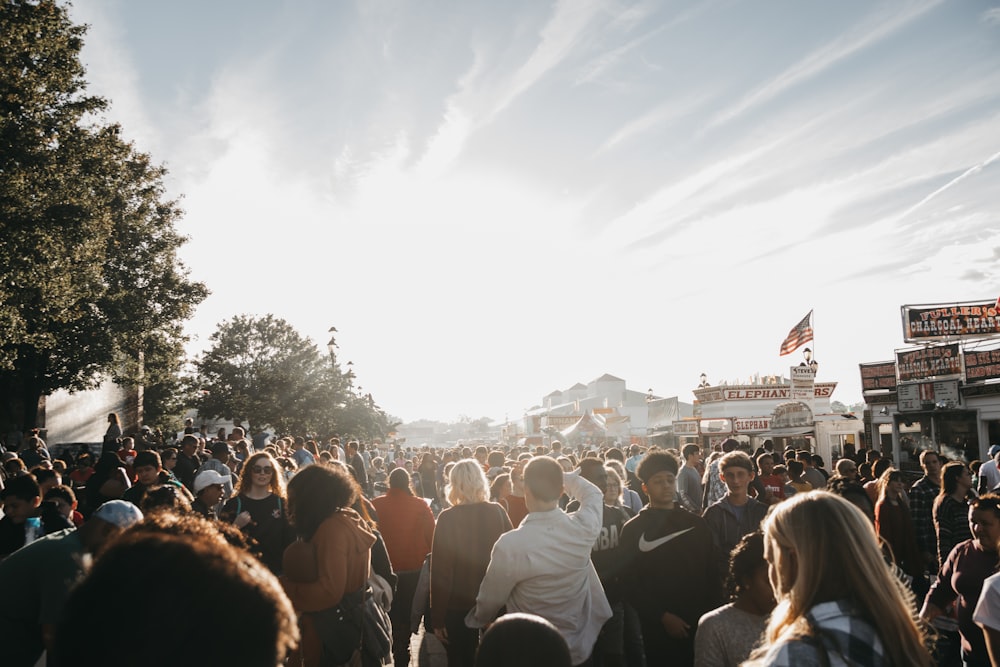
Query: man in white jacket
[543, 567]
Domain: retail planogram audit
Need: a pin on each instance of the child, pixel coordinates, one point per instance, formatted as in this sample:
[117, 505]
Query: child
[65, 501]
[726, 635]
[21, 499]
[782, 472]
[770, 479]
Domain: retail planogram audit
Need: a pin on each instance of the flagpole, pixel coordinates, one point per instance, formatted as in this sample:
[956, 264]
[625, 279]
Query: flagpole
[812, 323]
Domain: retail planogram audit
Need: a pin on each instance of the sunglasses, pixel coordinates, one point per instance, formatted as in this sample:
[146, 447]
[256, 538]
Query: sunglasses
[262, 470]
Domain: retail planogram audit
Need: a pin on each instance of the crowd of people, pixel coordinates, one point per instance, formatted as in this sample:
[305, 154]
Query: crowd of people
[335, 552]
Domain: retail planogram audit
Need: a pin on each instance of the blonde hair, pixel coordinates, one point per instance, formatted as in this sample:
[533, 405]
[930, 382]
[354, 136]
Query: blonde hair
[467, 483]
[277, 483]
[829, 551]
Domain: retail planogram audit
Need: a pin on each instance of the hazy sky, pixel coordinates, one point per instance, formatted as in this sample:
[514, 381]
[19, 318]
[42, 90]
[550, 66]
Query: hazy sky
[493, 200]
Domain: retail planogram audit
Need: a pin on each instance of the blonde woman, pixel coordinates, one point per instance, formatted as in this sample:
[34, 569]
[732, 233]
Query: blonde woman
[838, 603]
[258, 508]
[463, 540]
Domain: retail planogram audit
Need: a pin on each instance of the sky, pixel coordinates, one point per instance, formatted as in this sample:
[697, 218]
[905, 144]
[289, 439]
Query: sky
[491, 201]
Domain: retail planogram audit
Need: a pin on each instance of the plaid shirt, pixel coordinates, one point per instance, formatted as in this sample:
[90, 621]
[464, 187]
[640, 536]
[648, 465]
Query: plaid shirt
[922, 495]
[840, 639]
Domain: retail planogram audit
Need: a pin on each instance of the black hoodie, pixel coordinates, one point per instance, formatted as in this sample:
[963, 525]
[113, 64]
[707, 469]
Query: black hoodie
[670, 566]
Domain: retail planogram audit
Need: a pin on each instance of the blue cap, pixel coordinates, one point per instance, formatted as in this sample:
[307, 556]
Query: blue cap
[993, 450]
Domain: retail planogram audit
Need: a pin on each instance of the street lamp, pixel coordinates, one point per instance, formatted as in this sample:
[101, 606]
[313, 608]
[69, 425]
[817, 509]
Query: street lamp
[810, 362]
[704, 380]
[649, 395]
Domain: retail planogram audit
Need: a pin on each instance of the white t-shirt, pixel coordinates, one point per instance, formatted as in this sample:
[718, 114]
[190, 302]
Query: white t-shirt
[989, 471]
[987, 613]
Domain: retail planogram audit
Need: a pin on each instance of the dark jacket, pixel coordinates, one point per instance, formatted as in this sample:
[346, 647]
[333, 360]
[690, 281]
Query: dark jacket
[727, 530]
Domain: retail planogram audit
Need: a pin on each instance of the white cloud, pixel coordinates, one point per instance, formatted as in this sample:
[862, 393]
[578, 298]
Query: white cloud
[868, 33]
[655, 118]
[991, 16]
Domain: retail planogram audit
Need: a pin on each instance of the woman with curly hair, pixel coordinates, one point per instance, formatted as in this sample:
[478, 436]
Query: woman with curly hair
[258, 508]
[838, 602]
[328, 566]
[726, 635]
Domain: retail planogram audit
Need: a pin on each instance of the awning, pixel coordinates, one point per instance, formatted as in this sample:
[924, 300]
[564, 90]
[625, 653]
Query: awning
[787, 432]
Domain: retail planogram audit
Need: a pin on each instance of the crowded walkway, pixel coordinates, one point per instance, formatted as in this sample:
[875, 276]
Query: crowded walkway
[339, 552]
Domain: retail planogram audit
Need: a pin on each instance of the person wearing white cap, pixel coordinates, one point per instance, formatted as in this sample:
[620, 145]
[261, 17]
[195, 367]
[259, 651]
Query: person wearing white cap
[36, 579]
[209, 492]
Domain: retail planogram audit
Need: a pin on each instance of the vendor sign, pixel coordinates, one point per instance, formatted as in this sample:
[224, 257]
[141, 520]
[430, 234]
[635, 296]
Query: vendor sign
[981, 365]
[930, 322]
[878, 376]
[938, 361]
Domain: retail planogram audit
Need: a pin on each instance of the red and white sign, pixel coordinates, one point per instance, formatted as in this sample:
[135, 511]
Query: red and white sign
[752, 424]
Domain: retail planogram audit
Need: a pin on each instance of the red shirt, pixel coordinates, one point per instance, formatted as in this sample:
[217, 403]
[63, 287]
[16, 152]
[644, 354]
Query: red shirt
[774, 484]
[516, 509]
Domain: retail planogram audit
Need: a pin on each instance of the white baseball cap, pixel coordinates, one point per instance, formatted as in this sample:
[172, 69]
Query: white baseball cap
[207, 478]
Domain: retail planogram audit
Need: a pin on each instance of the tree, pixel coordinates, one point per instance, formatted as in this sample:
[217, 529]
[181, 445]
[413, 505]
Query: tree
[90, 281]
[260, 371]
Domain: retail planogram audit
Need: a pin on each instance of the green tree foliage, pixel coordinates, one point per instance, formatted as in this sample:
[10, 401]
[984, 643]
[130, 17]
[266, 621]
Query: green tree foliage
[262, 372]
[90, 281]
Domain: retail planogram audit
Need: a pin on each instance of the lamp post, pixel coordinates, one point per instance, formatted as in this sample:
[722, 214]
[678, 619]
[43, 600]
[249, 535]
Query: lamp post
[704, 380]
[807, 354]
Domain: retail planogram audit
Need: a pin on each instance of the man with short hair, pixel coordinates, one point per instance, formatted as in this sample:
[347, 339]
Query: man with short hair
[187, 461]
[846, 485]
[736, 514]
[714, 489]
[635, 455]
[669, 566]
[989, 472]
[689, 489]
[357, 467]
[774, 485]
[302, 456]
[922, 495]
[543, 567]
[810, 474]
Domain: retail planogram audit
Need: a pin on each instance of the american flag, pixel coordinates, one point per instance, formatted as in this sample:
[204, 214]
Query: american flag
[800, 334]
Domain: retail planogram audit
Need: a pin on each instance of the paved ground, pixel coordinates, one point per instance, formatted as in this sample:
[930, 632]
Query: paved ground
[426, 651]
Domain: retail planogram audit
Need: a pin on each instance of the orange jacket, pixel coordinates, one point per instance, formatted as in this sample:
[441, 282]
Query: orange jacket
[407, 526]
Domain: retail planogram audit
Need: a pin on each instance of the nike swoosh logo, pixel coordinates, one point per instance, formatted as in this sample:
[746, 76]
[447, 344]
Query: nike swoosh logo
[649, 546]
